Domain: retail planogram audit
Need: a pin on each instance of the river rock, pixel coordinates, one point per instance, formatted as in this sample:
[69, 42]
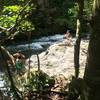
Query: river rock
[59, 59]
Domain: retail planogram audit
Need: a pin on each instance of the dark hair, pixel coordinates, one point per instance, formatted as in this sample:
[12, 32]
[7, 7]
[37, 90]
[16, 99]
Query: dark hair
[19, 57]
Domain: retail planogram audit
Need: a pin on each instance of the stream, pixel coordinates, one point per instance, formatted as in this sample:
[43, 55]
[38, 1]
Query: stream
[36, 46]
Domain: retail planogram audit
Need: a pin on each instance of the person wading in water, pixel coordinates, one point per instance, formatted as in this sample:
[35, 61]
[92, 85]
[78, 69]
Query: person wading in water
[19, 61]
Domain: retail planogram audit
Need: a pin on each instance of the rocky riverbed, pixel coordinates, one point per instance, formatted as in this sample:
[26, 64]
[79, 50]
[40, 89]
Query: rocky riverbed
[59, 59]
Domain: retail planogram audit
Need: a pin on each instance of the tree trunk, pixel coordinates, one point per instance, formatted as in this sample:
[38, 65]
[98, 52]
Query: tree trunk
[92, 71]
[78, 37]
[2, 49]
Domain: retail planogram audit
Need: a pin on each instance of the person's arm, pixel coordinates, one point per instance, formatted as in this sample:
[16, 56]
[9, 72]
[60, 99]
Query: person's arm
[15, 55]
[22, 56]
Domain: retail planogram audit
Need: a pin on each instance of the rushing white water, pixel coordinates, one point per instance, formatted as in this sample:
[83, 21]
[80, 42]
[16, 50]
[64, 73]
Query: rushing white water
[1, 80]
[38, 44]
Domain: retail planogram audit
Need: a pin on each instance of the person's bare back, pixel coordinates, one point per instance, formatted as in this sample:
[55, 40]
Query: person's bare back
[68, 38]
[19, 61]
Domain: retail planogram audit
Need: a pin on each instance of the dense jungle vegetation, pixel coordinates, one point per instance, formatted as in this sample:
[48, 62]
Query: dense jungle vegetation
[21, 20]
[43, 17]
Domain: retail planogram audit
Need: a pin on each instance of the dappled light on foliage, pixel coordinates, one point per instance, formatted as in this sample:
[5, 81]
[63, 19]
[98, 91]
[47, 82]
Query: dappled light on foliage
[67, 69]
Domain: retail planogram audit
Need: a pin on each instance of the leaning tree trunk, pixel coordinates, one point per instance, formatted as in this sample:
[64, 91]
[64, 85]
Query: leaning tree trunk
[92, 71]
[13, 87]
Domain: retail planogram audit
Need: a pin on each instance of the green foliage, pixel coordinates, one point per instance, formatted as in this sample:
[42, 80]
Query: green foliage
[26, 26]
[11, 9]
[88, 7]
[9, 15]
[72, 13]
[56, 16]
[29, 82]
[39, 81]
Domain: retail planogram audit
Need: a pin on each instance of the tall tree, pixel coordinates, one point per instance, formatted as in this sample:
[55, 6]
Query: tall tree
[92, 71]
[78, 36]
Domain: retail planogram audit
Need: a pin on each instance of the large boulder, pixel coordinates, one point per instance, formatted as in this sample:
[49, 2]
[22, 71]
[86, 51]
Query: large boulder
[59, 59]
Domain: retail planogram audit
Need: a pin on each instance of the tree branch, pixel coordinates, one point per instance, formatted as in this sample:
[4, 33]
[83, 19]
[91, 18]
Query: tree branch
[3, 29]
[8, 53]
[13, 29]
[17, 19]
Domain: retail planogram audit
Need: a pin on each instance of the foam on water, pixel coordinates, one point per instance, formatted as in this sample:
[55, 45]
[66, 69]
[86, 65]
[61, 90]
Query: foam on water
[38, 44]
